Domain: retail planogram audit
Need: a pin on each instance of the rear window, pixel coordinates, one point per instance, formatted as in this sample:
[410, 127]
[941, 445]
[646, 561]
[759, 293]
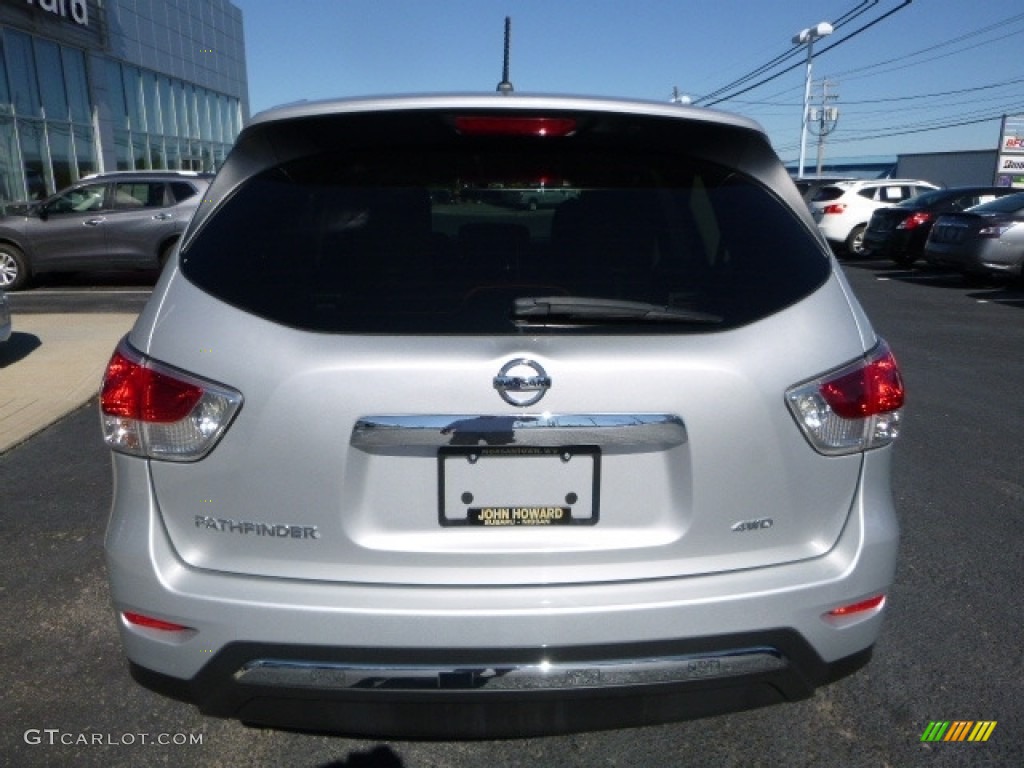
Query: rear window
[825, 194]
[459, 237]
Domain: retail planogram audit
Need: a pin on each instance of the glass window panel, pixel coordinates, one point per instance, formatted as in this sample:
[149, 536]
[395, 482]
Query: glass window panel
[11, 186]
[61, 156]
[85, 150]
[167, 111]
[34, 160]
[156, 152]
[216, 134]
[151, 102]
[51, 80]
[193, 111]
[173, 150]
[203, 97]
[21, 69]
[115, 95]
[123, 150]
[77, 85]
[133, 98]
[5, 94]
[140, 152]
[181, 108]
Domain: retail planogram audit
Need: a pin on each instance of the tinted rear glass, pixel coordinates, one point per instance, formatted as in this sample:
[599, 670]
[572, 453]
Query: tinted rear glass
[825, 194]
[444, 238]
[1009, 204]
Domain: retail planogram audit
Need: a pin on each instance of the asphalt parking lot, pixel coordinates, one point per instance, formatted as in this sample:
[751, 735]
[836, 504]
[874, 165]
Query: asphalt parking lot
[950, 650]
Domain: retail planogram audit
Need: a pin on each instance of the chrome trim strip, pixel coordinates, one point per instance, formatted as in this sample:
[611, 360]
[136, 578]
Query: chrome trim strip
[611, 431]
[540, 675]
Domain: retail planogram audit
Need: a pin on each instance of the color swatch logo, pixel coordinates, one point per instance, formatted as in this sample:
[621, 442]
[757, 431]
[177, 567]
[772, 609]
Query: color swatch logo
[958, 730]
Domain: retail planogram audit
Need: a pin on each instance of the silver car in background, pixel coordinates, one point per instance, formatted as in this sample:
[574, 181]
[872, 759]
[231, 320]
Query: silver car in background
[394, 460]
[986, 240]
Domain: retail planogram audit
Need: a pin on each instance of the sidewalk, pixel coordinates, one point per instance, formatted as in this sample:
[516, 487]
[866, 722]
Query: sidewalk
[51, 365]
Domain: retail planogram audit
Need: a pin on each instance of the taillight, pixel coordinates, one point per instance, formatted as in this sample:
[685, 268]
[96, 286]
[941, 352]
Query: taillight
[151, 410]
[479, 125]
[834, 208]
[996, 230]
[851, 409]
[915, 220]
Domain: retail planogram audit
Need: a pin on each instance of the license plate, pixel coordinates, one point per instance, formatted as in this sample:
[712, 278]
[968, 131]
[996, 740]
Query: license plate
[505, 486]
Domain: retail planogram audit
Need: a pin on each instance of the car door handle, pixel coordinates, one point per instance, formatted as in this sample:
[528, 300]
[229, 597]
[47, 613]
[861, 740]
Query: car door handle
[163, 216]
[93, 222]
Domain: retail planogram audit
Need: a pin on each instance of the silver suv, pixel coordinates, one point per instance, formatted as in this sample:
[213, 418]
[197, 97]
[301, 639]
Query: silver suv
[395, 460]
[109, 222]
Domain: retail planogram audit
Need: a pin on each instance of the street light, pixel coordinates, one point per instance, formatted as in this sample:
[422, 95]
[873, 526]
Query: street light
[807, 37]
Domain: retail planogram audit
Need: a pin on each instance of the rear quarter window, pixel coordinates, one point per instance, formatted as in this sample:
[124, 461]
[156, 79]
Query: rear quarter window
[436, 238]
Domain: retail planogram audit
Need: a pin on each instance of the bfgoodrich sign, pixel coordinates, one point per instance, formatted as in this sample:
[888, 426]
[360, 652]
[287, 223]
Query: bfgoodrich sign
[1010, 166]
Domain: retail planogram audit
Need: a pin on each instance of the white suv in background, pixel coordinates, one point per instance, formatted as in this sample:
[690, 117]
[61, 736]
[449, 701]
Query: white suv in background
[843, 209]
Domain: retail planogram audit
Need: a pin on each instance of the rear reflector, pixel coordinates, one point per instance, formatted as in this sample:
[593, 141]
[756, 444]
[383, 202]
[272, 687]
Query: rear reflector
[852, 409]
[860, 607]
[151, 410]
[141, 620]
[515, 126]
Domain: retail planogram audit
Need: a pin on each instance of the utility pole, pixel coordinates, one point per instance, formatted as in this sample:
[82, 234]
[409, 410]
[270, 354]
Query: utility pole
[825, 119]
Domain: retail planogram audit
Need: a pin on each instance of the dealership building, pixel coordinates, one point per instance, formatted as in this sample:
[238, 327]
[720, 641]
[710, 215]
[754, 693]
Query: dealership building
[104, 85]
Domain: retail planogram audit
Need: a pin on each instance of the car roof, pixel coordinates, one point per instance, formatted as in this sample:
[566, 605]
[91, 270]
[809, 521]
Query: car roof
[867, 182]
[162, 174]
[498, 101]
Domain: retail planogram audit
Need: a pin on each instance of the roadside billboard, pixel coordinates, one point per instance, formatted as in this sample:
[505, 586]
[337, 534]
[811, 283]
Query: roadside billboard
[1010, 163]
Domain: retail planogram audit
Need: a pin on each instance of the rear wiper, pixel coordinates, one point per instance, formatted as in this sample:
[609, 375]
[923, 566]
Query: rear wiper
[589, 309]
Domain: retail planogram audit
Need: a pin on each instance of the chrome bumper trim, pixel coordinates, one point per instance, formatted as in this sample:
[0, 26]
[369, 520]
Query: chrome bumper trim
[612, 431]
[541, 675]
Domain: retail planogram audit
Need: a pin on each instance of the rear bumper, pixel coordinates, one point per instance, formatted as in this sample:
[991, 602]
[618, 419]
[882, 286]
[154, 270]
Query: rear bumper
[426, 662]
[467, 694]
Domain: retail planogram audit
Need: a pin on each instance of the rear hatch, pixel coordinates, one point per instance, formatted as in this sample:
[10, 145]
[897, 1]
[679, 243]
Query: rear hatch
[440, 387]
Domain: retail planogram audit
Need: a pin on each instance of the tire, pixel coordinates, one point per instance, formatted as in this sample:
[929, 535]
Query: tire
[855, 241]
[14, 273]
[904, 259]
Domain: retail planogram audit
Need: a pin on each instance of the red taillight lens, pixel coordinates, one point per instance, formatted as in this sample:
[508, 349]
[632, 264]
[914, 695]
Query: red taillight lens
[835, 208]
[151, 410]
[874, 388]
[515, 126]
[132, 391]
[852, 409]
[915, 220]
[141, 620]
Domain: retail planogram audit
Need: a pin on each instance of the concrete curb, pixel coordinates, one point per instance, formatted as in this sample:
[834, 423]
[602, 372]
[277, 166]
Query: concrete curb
[51, 365]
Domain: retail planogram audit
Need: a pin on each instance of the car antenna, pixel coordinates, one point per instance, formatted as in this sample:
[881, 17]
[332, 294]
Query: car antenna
[505, 86]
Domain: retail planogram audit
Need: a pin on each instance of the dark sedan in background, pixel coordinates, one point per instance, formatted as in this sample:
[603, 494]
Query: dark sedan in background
[900, 231]
[987, 240]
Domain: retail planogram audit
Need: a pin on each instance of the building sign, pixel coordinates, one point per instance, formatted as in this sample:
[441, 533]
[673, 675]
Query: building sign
[76, 10]
[1010, 164]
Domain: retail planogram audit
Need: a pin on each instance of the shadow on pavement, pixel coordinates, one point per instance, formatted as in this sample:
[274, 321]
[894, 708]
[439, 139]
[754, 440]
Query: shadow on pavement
[18, 347]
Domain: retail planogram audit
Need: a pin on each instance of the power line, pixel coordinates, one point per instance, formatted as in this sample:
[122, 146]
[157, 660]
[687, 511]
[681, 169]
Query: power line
[709, 100]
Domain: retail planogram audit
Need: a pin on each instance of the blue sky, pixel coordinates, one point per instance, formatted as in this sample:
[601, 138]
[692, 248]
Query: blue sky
[902, 83]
